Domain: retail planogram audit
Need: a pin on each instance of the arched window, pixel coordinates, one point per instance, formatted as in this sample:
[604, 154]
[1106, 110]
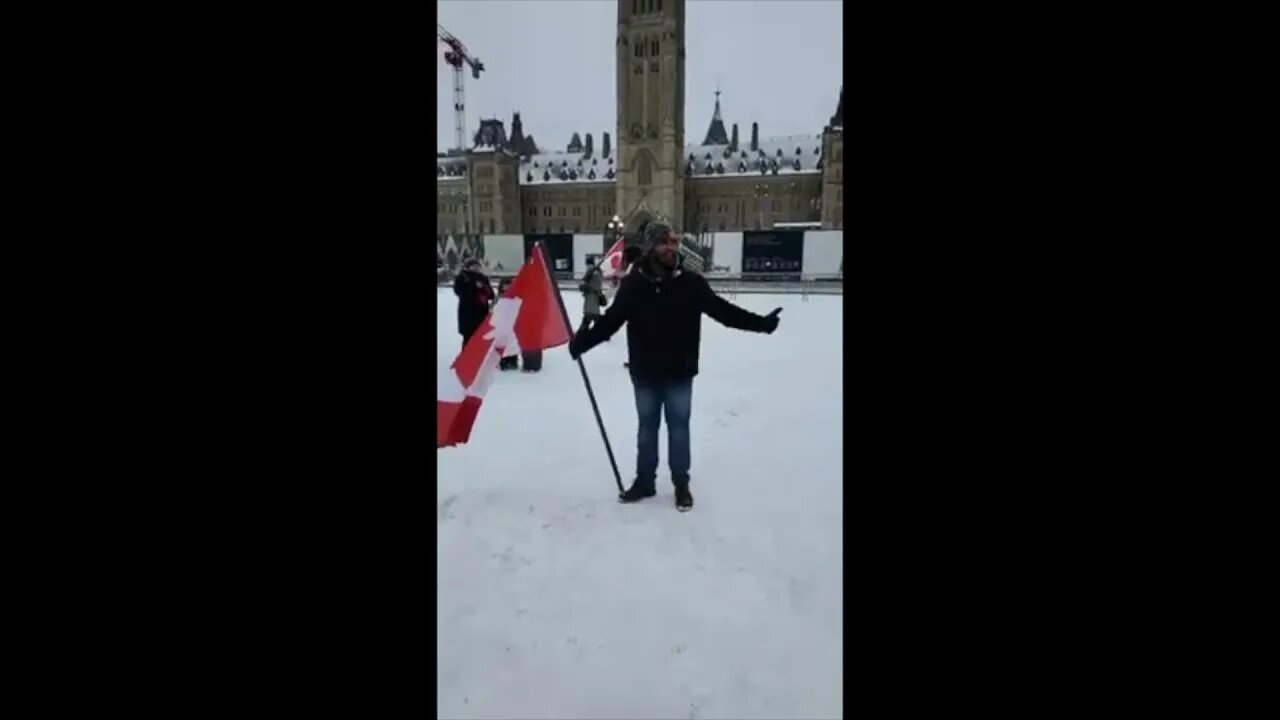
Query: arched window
[644, 169]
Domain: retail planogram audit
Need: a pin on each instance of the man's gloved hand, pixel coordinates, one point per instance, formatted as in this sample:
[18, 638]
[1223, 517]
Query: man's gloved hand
[574, 348]
[770, 322]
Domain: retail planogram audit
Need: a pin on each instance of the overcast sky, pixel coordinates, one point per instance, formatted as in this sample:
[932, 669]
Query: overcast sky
[778, 63]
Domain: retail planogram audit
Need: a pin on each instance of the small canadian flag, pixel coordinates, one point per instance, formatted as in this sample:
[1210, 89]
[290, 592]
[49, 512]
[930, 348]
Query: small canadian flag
[611, 265]
[526, 318]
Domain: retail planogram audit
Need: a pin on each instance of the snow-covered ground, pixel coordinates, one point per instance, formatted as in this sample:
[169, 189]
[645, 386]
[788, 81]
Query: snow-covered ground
[555, 601]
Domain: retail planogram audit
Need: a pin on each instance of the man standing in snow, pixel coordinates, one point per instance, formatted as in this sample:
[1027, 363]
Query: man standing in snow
[475, 294]
[662, 307]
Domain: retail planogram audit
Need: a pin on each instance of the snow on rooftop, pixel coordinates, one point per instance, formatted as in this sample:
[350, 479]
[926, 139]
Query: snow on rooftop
[790, 155]
[566, 167]
[557, 168]
[550, 591]
[451, 168]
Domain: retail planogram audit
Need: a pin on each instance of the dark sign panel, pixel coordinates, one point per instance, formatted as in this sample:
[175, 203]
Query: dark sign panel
[559, 249]
[775, 253]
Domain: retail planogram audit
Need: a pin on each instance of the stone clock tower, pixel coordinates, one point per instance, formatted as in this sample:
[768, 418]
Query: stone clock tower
[650, 57]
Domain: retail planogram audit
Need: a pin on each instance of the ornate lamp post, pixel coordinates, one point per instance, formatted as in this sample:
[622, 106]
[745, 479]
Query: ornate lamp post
[613, 228]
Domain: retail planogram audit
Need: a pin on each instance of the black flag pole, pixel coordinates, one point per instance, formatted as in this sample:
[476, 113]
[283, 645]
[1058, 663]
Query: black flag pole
[617, 478]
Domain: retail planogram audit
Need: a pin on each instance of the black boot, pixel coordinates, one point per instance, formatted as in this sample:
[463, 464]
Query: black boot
[640, 489]
[684, 498]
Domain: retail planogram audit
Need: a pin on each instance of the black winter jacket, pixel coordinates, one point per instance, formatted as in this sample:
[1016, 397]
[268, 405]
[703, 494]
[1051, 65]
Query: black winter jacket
[664, 322]
[474, 296]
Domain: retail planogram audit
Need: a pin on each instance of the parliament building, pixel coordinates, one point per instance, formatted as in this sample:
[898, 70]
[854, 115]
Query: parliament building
[506, 184]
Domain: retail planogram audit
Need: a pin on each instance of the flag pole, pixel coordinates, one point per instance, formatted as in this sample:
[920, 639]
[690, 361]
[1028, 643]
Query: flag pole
[617, 478]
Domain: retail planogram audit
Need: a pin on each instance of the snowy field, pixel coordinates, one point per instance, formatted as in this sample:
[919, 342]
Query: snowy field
[555, 601]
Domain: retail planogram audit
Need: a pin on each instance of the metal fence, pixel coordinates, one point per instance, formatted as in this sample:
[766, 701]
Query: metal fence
[803, 284]
[727, 284]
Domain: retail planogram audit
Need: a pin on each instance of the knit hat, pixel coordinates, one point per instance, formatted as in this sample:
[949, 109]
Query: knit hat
[652, 234]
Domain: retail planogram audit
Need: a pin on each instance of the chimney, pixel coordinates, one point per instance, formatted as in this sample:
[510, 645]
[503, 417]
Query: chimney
[733, 140]
[755, 137]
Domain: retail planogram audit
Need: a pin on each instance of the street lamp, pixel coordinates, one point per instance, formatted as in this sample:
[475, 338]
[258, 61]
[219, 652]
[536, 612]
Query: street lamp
[761, 191]
[615, 227]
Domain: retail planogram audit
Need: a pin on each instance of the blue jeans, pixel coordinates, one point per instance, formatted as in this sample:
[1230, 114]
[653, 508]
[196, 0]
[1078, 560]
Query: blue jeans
[652, 398]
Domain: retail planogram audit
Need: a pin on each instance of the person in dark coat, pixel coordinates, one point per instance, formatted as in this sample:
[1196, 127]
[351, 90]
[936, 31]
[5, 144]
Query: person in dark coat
[475, 295]
[662, 308]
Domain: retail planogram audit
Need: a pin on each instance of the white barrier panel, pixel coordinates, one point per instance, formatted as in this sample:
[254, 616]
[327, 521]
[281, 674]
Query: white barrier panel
[727, 253]
[584, 245]
[823, 252]
[504, 253]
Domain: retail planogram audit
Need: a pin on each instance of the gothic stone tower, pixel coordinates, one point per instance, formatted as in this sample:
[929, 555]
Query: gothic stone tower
[650, 49]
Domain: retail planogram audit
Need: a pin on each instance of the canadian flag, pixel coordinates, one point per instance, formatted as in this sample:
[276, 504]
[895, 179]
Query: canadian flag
[527, 317]
[611, 265]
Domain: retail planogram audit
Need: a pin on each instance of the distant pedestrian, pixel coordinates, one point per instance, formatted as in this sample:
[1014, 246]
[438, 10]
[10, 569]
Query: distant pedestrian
[593, 299]
[475, 296]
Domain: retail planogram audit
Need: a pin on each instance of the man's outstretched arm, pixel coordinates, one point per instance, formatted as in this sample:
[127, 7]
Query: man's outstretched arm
[730, 315]
[606, 326]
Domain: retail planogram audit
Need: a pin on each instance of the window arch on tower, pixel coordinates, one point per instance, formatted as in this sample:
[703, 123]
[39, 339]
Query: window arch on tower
[644, 169]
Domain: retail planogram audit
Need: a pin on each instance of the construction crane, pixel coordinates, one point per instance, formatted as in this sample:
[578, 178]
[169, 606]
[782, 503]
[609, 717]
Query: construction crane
[456, 54]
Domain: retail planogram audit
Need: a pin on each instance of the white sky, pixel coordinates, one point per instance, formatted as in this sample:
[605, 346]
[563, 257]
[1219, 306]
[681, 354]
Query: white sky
[778, 63]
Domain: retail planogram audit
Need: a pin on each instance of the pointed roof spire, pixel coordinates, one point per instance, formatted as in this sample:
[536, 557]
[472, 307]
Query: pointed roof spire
[715, 133]
[837, 120]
